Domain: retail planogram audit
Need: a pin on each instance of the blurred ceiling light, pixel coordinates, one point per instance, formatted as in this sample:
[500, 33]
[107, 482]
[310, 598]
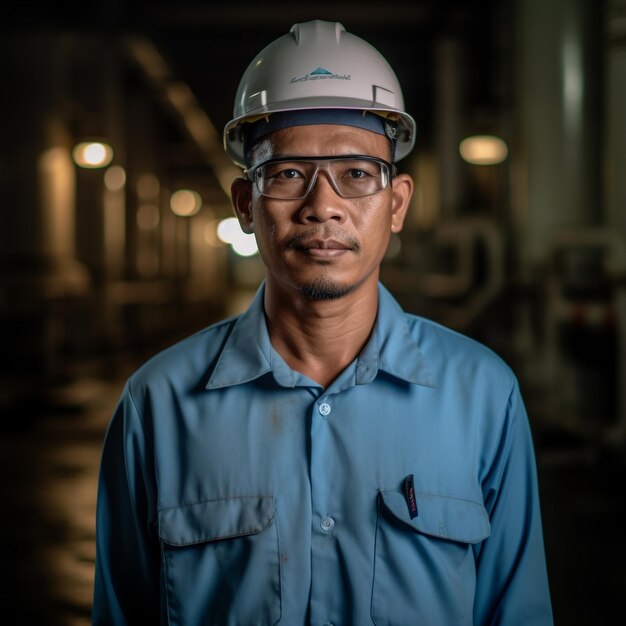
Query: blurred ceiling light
[148, 187]
[185, 202]
[92, 154]
[483, 150]
[148, 216]
[115, 178]
[246, 246]
[229, 231]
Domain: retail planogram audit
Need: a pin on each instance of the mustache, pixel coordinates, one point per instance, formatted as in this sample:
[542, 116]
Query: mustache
[297, 241]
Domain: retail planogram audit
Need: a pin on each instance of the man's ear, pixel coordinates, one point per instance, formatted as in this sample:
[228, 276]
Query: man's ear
[241, 194]
[402, 190]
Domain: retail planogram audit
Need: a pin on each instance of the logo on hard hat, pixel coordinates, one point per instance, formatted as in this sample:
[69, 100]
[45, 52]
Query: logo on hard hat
[321, 73]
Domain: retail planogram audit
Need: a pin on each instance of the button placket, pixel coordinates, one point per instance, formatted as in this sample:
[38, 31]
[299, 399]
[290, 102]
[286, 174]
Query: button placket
[323, 525]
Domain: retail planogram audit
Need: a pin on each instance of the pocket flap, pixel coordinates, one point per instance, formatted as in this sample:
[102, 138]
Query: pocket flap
[215, 519]
[440, 516]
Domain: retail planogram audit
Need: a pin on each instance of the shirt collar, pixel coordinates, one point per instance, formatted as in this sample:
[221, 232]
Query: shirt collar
[248, 354]
[392, 347]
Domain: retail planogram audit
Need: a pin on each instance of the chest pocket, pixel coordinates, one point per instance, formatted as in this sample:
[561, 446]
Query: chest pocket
[424, 567]
[221, 562]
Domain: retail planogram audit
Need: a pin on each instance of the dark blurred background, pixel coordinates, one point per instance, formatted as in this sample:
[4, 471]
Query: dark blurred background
[112, 251]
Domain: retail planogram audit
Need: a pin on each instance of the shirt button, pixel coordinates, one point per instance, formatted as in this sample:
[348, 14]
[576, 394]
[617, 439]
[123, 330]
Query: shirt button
[327, 524]
[324, 408]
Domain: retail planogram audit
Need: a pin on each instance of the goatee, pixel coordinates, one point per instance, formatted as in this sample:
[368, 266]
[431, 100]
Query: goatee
[325, 288]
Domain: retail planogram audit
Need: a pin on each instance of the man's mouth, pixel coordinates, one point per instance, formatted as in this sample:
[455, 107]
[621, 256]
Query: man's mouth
[323, 246]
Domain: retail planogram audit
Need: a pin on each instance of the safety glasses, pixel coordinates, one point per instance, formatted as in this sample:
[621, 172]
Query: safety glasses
[293, 178]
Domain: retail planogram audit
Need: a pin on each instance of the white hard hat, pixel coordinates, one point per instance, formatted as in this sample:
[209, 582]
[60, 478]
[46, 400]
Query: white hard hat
[318, 65]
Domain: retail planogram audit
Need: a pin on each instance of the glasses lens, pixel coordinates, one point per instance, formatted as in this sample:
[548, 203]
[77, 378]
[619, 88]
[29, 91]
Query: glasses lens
[351, 177]
[288, 180]
[358, 177]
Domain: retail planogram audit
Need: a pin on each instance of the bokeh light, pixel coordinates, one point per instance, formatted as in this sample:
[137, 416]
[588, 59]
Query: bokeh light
[483, 150]
[92, 154]
[185, 202]
[229, 231]
[115, 178]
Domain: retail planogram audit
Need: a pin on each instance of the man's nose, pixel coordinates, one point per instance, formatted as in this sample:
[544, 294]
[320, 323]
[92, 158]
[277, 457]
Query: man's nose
[323, 203]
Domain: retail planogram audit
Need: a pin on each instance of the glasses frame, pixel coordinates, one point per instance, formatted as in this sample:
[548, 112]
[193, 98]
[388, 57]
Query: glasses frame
[392, 172]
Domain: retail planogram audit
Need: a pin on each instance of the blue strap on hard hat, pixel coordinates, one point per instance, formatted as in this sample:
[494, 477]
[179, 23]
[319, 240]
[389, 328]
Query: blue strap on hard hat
[253, 132]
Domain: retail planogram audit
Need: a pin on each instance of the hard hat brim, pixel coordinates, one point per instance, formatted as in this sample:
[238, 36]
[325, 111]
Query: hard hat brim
[233, 142]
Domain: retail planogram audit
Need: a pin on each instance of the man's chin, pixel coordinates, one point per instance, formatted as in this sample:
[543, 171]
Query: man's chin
[325, 289]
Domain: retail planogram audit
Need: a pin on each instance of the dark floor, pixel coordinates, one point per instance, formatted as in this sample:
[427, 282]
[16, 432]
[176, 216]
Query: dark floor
[48, 469]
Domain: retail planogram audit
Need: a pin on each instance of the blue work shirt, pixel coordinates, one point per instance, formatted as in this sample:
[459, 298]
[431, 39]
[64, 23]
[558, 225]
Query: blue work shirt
[237, 491]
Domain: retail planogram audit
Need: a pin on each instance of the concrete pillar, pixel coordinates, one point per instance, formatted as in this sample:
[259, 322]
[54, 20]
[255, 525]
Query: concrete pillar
[558, 150]
[38, 267]
[449, 104]
[37, 178]
[615, 128]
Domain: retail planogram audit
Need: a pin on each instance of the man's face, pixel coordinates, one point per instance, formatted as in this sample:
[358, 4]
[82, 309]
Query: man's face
[323, 246]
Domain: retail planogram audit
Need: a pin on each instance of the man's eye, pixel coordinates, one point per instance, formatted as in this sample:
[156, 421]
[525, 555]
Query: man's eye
[282, 173]
[357, 173]
[290, 173]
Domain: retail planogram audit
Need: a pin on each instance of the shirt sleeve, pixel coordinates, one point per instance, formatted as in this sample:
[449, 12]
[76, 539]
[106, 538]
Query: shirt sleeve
[512, 582]
[126, 588]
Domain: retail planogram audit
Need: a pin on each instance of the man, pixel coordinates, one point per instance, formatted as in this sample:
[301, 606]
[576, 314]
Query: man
[324, 458]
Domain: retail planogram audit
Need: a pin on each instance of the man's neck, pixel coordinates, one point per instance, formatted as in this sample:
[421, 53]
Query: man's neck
[320, 338]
